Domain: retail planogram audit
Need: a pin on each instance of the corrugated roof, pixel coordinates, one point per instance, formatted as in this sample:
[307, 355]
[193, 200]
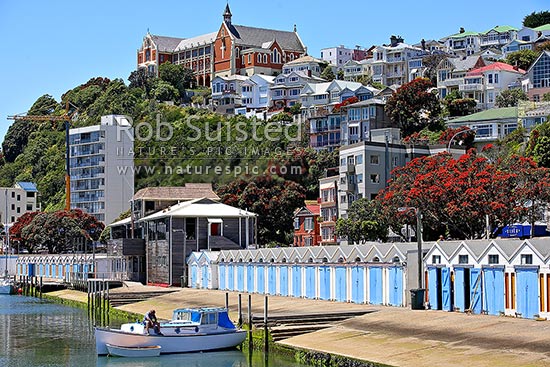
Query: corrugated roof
[305, 59]
[27, 186]
[195, 41]
[501, 29]
[202, 208]
[464, 34]
[189, 191]
[490, 114]
[545, 27]
[166, 43]
[501, 66]
[251, 36]
[464, 64]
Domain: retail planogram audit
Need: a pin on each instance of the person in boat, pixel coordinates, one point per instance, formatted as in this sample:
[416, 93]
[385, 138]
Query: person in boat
[150, 321]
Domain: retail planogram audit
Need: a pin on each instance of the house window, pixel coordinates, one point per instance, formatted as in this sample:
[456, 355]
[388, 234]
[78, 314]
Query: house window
[259, 58]
[493, 259]
[29, 207]
[360, 178]
[436, 259]
[463, 259]
[526, 259]
[308, 224]
[359, 159]
[296, 223]
[265, 59]
[374, 159]
[375, 178]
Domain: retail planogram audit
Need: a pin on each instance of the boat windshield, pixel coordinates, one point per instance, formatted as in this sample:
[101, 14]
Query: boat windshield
[182, 316]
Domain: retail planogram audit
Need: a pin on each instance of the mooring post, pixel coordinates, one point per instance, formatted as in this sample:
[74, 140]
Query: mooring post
[41, 287]
[32, 286]
[250, 322]
[266, 336]
[240, 311]
[227, 301]
[108, 305]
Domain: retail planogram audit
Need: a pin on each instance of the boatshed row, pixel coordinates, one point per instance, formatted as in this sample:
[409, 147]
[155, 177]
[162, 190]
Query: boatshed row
[370, 273]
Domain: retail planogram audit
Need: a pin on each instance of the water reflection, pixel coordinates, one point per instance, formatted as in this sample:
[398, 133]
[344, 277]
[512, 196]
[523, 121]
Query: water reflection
[232, 358]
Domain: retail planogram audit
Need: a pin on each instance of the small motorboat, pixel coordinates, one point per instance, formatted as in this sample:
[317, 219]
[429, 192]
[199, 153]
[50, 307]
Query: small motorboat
[7, 286]
[148, 351]
[190, 330]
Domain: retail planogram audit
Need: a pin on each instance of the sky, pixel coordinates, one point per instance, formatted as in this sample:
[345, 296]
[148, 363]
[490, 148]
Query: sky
[52, 46]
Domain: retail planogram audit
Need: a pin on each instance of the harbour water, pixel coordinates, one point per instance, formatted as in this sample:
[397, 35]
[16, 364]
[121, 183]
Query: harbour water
[36, 333]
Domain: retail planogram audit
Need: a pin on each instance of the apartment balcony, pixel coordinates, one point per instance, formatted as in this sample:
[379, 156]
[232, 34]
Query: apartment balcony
[329, 221]
[471, 87]
[348, 186]
[453, 82]
[395, 59]
[350, 168]
[324, 143]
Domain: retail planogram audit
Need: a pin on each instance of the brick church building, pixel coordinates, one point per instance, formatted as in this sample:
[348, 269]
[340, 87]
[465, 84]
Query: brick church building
[233, 49]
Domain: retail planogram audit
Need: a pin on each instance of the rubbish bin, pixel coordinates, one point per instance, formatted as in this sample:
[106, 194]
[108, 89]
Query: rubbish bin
[417, 299]
[183, 281]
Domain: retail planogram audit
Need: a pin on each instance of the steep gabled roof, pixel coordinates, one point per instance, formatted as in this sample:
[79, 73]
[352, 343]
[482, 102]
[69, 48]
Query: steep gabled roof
[464, 64]
[256, 37]
[166, 44]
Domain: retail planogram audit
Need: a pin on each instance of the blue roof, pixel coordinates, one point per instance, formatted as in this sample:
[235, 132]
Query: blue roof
[27, 186]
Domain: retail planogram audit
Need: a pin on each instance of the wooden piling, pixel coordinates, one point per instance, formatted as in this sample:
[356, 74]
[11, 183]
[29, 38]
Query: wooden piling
[240, 311]
[41, 283]
[266, 336]
[227, 301]
[250, 322]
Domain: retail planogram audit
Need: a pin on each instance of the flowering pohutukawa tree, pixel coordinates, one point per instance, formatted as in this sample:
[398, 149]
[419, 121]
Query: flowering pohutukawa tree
[458, 195]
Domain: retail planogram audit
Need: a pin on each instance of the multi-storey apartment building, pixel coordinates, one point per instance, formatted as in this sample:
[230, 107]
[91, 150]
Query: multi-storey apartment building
[537, 79]
[390, 62]
[287, 88]
[337, 56]
[328, 204]
[308, 64]
[497, 36]
[102, 167]
[463, 43]
[365, 167]
[484, 84]
[361, 118]
[17, 200]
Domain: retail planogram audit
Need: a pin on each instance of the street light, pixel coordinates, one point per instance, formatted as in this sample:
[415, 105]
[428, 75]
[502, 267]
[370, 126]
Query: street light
[456, 134]
[418, 239]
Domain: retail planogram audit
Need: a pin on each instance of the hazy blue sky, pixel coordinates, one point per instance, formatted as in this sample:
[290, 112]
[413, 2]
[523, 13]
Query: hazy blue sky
[52, 46]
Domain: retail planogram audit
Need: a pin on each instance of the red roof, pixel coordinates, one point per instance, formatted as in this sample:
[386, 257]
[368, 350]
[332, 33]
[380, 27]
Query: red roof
[495, 66]
[314, 208]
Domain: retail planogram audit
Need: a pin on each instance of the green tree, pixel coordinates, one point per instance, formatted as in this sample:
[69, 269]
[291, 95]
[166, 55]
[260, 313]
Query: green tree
[456, 105]
[140, 78]
[541, 152]
[340, 74]
[545, 46]
[328, 74]
[415, 106]
[536, 19]
[164, 91]
[272, 198]
[365, 222]
[430, 62]
[176, 75]
[546, 97]
[510, 97]
[522, 58]
[17, 136]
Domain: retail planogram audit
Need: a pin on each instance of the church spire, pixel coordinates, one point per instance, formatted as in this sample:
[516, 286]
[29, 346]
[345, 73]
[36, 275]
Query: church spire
[227, 15]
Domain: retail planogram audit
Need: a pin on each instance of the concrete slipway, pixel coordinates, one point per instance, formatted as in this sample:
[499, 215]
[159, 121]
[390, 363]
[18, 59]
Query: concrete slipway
[390, 335]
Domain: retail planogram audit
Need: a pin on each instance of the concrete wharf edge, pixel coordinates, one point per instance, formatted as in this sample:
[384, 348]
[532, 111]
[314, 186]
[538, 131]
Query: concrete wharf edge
[390, 335]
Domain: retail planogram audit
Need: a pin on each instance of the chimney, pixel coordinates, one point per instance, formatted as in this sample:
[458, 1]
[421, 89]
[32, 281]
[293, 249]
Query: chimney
[461, 30]
[423, 42]
[393, 41]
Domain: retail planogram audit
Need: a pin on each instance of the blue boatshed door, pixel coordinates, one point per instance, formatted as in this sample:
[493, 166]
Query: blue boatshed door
[375, 285]
[240, 277]
[527, 292]
[283, 276]
[396, 285]
[221, 276]
[358, 284]
[231, 277]
[272, 279]
[446, 289]
[341, 288]
[493, 290]
[433, 288]
[475, 290]
[310, 282]
[260, 279]
[297, 281]
[205, 276]
[324, 282]
[194, 276]
[460, 302]
[250, 278]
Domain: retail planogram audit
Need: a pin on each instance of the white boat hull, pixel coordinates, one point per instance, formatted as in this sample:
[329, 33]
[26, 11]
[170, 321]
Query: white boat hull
[7, 289]
[118, 351]
[184, 343]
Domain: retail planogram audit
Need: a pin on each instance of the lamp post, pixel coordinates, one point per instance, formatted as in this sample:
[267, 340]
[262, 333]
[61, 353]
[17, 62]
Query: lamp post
[418, 240]
[456, 134]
